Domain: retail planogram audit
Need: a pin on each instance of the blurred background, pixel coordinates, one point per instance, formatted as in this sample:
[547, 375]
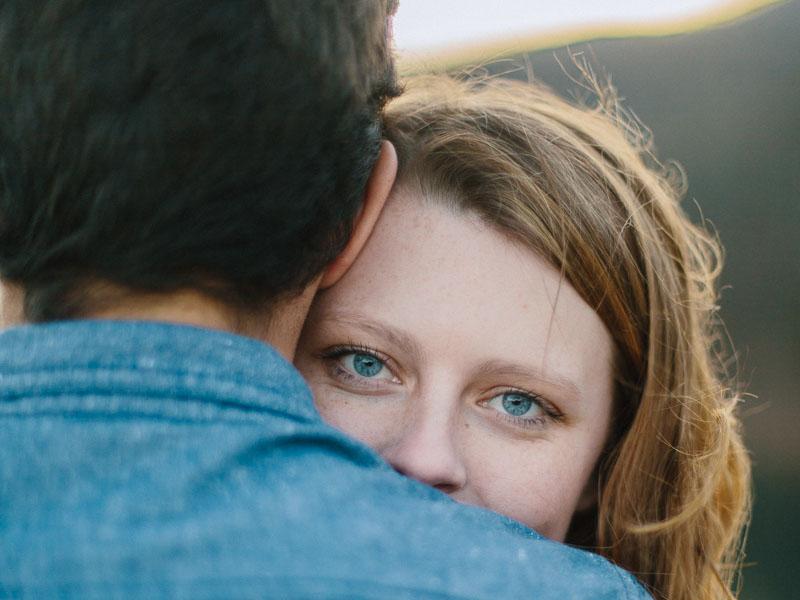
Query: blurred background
[719, 86]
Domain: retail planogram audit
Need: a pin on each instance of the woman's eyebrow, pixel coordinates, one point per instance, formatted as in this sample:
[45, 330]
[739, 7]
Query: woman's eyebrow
[394, 335]
[509, 369]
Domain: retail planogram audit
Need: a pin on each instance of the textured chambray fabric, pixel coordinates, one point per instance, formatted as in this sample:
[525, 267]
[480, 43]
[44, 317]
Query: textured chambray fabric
[145, 460]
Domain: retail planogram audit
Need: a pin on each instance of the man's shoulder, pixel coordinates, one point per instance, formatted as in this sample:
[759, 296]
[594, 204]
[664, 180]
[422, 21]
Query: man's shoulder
[129, 472]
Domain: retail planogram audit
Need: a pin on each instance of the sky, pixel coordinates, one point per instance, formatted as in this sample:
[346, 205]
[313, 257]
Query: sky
[425, 27]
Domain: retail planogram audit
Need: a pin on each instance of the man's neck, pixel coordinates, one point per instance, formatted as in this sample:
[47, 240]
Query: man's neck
[11, 300]
[279, 326]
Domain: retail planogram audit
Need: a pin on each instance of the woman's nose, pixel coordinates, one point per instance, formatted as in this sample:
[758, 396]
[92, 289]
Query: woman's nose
[426, 450]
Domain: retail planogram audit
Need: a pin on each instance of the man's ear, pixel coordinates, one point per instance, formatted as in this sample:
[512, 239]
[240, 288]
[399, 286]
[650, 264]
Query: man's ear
[378, 188]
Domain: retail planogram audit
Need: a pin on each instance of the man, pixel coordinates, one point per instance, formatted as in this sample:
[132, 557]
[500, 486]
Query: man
[178, 179]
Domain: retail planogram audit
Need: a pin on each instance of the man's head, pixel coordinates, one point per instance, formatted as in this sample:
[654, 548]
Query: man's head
[217, 146]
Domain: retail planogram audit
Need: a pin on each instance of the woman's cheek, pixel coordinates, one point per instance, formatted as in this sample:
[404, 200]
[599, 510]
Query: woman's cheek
[358, 417]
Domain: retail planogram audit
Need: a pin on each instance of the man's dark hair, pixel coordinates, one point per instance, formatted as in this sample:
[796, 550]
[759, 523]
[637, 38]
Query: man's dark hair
[215, 145]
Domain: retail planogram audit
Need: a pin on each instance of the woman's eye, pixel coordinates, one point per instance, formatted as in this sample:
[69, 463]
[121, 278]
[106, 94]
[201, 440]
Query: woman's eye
[365, 365]
[517, 405]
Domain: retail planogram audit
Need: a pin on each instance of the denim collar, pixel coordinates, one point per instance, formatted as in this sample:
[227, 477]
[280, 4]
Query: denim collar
[150, 359]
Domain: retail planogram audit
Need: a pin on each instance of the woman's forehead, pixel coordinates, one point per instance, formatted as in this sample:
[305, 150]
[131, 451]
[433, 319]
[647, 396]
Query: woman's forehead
[456, 286]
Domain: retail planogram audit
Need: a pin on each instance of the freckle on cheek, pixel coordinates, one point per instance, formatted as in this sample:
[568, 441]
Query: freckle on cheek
[466, 425]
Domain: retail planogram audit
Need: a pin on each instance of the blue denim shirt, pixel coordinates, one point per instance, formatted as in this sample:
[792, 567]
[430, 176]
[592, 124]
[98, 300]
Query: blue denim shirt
[161, 461]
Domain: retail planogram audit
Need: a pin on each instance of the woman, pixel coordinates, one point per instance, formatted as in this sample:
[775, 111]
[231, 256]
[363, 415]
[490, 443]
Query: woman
[531, 329]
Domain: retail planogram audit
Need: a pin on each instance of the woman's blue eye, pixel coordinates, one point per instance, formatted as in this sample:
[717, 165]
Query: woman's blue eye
[516, 404]
[366, 365]
[356, 366]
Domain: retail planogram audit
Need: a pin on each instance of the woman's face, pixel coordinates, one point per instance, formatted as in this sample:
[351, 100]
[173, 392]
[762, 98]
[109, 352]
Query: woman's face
[468, 363]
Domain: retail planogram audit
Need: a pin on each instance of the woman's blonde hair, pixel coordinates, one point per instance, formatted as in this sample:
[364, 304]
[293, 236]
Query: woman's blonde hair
[580, 187]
